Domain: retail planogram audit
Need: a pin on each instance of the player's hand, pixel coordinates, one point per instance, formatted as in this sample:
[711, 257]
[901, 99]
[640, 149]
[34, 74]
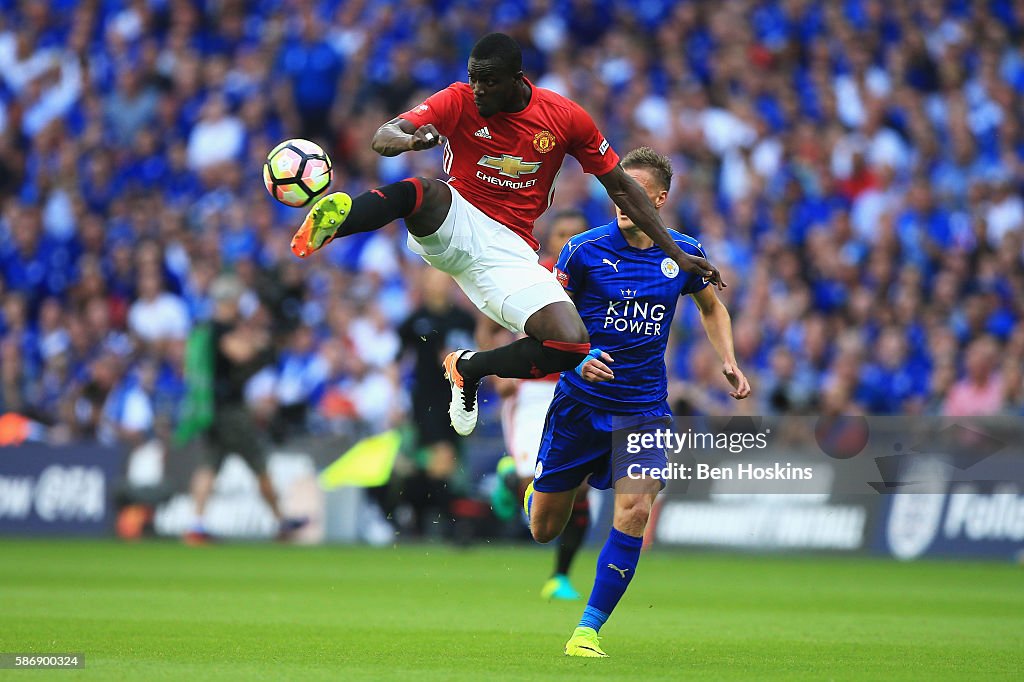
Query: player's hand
[425, 137]
[737, 380]
[695, 265]
[597, 371]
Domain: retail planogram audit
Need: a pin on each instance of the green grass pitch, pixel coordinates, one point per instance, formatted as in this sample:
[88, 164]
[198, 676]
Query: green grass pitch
[163, 611]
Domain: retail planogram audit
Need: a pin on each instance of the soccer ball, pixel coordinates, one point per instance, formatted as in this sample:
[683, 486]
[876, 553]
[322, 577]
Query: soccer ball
[296, 172]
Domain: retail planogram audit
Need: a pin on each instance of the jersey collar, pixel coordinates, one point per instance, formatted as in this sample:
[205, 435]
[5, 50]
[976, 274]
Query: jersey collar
[619, 241]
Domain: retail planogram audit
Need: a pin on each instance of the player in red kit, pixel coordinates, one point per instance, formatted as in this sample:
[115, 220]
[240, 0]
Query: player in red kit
[505, 140]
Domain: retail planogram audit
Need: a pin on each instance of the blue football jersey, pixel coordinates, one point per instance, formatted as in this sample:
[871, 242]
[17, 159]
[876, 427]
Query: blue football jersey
[627, 298]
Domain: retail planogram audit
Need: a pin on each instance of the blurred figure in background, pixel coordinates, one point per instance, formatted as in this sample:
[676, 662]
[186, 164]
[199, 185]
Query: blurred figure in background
[240, 347]
[157, 315]
[433, 329]
[300, 379]
[981, 392]
[313, 70]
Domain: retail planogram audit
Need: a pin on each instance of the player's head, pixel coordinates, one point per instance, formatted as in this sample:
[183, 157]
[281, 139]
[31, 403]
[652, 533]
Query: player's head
[565, 225]
[654, 173]
[495, 72]
[226, 291]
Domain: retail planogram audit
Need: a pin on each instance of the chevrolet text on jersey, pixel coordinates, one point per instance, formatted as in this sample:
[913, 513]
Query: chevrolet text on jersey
[509, 166]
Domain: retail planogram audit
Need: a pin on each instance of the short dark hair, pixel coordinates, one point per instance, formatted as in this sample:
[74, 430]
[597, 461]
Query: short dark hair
[500, 48]
[571, 213]
[657, 164]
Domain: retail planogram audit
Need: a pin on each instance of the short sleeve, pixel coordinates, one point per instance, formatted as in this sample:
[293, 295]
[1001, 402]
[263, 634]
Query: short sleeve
[694, 283]
[589, 146]
[442, 109]
[567, 270]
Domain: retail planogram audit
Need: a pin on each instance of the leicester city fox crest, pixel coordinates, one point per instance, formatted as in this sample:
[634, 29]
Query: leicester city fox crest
[670, 268]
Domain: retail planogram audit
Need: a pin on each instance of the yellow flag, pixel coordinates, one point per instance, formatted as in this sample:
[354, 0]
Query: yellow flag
[367, 464]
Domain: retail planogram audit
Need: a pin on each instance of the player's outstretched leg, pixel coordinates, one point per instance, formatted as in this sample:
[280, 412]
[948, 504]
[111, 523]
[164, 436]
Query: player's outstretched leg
[557, 341]
[202, 487]
[462, 410]
[339, 215]
[616, 563]
[547, 512]
[569, 542]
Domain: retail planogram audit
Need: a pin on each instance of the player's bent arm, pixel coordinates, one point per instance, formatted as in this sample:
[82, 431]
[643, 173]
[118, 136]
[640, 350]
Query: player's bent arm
[717, 322]
[629, 196]
[398, 136]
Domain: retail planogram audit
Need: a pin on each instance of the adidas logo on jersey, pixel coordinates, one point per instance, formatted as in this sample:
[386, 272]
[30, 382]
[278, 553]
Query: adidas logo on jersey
[484, 133]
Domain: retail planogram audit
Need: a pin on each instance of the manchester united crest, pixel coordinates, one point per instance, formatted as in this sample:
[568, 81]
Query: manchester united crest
[544, 141]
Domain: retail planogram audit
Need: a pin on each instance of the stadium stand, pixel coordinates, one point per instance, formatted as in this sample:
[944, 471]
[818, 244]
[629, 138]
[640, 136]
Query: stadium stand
[854, 168]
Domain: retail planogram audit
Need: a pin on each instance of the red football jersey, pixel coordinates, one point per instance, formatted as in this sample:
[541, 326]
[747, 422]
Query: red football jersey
[506, 164]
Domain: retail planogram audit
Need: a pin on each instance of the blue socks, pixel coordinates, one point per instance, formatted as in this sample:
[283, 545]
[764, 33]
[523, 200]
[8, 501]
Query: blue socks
[592, 618]
[616, 565]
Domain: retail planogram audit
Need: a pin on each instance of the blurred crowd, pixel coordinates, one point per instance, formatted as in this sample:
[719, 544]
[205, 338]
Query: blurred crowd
[854, 167]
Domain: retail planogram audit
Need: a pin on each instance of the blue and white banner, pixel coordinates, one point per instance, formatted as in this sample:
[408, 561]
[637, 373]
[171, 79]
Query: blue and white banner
[900, 486]
[981, 518]
[58, 490]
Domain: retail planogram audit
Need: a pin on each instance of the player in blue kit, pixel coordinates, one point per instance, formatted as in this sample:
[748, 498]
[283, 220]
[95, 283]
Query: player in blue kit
[626, 290]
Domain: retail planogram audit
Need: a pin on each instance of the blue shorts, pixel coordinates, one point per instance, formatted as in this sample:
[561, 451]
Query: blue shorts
[581, 441]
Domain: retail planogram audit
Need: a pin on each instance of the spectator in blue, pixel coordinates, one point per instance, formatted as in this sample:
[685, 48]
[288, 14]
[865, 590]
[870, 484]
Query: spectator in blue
[313, 70]
[872, 152]
[131, 107]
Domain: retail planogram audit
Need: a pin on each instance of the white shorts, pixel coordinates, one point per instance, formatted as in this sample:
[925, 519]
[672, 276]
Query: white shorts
[497, 270]
[522, 420]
